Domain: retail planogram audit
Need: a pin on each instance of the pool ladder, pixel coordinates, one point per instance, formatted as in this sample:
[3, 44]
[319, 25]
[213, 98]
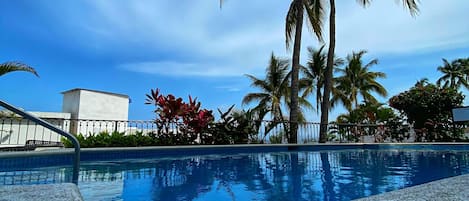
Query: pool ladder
[73, 139]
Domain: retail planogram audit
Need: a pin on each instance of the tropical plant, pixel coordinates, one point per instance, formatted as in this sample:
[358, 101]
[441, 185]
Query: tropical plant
[274, 89]
[376, 119]
[275, 94]
[313, 74]
[276, 138]
[234, 127]
[9, 67]
[455, 74]
[179, 122]
[428, 108]
[368, 113]
[293, 28]
[357, 79]
[411, 5]
[422, 82]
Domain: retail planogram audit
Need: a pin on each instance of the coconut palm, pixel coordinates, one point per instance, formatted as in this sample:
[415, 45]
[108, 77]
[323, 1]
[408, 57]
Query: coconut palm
[273, 88]
[274, 93]
[357, 79]
[313, 74]
[9, 67]
[313, 10]
[411, 5]
[454, 74]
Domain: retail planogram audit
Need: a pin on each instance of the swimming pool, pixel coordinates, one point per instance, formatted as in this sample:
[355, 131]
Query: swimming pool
[267, 174]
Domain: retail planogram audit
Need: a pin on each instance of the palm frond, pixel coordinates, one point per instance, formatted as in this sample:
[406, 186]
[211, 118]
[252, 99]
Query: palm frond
[315, 12]
[290, 22]
[254, 97]
[8, 67]
[412, 6]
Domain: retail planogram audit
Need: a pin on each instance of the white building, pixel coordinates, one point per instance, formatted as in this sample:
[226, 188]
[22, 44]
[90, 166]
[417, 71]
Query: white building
[95, 105]
[83, 111]
[86, 106]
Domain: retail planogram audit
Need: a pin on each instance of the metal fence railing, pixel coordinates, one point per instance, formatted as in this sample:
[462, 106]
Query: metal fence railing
[24, 131]
[17, 131]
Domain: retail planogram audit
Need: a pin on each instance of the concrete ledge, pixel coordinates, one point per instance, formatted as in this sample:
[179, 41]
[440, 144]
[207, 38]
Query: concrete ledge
[48, 192]
[192, 149]
[449, 189]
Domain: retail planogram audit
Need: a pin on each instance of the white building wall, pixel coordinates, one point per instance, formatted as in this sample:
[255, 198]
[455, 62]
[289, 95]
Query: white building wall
[102, 106]
[87, 105]
[71, 103]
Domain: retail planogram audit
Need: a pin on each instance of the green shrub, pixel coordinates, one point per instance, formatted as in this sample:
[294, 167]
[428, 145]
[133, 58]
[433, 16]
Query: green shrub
[115, 139]
[276, 138]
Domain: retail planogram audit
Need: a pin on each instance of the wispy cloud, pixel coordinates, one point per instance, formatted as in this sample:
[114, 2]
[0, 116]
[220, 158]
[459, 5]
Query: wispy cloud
[386, 27]
[229, 88]
[173, 68]
[196, 38]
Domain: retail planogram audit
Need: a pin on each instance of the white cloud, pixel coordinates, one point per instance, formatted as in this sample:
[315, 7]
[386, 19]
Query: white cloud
[229, 88]
[241, 36]
[386, 27]
[173, 68]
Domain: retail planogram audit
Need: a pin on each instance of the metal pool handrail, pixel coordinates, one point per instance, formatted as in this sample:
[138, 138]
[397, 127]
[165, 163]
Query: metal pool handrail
[76, 144]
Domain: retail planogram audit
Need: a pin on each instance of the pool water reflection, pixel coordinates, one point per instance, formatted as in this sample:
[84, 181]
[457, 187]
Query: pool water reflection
[331, 175]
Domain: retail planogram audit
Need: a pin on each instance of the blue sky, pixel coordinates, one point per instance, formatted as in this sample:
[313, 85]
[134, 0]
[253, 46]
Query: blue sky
[194, 48]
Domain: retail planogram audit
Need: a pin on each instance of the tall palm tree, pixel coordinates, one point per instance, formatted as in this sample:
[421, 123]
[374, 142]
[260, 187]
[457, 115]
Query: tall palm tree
[357, 79]
[9, 67]
[273, 88]
[411, 5]
[454, 74]
[293, 29]
[313, 10]
[313, 73]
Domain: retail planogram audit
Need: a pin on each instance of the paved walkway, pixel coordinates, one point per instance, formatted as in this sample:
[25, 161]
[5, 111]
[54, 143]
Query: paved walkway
[449, 189]
[46, 192]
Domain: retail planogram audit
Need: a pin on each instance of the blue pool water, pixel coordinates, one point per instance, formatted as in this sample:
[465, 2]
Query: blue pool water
[295, 175]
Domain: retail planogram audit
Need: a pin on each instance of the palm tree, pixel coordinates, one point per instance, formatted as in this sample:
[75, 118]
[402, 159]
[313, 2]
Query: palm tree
[313, 73]
[455, 74]
[293, 29]
[411, 5]
[273, 88]
[9, 67]
[275, 93]
[357, 79]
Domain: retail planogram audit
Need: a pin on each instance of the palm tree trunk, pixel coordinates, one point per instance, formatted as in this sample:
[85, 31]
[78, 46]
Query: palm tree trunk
[326, 102]
[294, 79]
[285, 124]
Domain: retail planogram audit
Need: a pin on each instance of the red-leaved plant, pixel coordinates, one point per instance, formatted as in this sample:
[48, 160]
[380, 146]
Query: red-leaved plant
[188, 117]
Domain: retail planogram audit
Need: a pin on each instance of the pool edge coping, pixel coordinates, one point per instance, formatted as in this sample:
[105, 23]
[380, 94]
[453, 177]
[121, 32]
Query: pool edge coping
[67, 151]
